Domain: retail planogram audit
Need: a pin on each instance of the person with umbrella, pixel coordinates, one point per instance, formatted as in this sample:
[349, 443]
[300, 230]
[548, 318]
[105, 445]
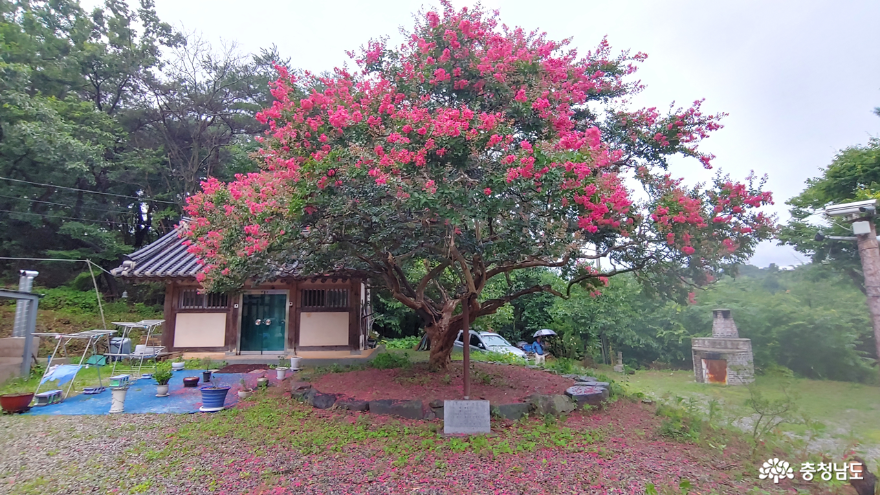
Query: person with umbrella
[538, 346]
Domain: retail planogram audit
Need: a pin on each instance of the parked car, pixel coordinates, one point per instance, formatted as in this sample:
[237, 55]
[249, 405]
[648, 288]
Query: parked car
[488, 342]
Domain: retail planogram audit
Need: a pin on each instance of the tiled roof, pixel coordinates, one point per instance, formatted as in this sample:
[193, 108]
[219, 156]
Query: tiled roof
[167, 257]
[164, 258]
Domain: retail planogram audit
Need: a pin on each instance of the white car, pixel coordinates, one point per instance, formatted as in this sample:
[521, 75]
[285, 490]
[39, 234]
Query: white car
[488, 342]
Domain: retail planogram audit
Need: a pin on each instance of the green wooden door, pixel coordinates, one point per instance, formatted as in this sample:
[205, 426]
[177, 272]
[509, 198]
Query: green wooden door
[263, 320]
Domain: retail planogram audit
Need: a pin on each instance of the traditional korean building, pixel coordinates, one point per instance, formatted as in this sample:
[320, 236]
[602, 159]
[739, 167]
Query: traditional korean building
[291, 313]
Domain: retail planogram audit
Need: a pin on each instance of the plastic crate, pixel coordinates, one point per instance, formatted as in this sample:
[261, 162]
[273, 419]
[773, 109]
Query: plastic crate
[119, 380]
[48, 397]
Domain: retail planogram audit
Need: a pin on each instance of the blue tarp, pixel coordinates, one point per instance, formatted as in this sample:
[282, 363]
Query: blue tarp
[141, 396]
[63, 373]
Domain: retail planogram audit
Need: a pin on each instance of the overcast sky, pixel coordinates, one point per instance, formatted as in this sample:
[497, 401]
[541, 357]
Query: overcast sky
[799, 78]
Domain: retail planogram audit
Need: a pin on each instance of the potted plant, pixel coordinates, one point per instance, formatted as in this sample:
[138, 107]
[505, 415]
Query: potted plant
[372, 339]
[206, 375]
[262, 382]
[295, 362]
[18, 400]
[213, 397]
[162, 376]
[245, 391]
[281, 369]
[178, 364]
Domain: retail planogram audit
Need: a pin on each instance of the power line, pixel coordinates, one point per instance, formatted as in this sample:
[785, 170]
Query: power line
[53, 216]
[67, 205]
[56, 259]
[87, 191]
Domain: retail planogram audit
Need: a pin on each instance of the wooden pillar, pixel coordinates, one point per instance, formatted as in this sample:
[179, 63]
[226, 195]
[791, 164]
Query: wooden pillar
[354, 302]
[869, 252]
[232, 326]
[170, 315]
[291, 298]
[293, 317]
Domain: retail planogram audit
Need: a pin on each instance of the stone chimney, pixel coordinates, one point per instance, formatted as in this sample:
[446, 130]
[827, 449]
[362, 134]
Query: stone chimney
[723, 326]
[723, 357]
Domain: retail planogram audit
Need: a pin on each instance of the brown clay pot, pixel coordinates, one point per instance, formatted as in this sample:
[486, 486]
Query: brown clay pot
[190, 381]
[16, 403]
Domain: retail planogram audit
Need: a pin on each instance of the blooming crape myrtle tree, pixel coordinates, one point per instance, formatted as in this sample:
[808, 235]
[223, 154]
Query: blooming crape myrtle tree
[471, 151]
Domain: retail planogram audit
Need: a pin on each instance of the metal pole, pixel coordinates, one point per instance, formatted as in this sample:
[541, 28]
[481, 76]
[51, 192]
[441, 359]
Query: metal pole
[30, 326]
[466, 345]
[48, 364]
[82, 362]
[97, 293]
[25, 284]
[869, 252]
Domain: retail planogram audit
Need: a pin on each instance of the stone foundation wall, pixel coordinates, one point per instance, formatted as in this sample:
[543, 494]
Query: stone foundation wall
[716, 343]
[740, 366]
[11, 351]
[698, 366]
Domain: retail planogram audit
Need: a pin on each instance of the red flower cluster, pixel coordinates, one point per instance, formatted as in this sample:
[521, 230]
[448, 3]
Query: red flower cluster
[465, 93]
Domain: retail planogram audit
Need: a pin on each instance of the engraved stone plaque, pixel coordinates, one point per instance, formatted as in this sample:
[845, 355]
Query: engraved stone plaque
[465, 417]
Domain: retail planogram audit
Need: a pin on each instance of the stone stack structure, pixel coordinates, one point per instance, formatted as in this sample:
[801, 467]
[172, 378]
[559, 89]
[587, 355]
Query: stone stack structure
[724, 357]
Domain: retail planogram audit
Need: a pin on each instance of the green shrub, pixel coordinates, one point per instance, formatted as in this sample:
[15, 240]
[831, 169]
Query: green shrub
[69, 298]
[679, 423]
[83, 282]
[563, 366]
[502, 357]
[387, 360]
[193, 364]
[490, 357]
[85, 302]
[568, 346]
[402, 343]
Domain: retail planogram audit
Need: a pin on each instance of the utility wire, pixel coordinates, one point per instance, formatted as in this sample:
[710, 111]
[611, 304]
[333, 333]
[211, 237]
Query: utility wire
[53, 216]
[56, 259]
[87, 191]
[67, 205]
[88, 263]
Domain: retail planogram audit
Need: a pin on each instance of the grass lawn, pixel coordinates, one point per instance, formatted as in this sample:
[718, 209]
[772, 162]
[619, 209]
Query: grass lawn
[849, 411]
[273, 445]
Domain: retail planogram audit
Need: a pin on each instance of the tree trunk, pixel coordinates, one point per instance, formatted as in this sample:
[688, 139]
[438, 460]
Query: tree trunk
[442, 334]
[441, 347]
[112, 285]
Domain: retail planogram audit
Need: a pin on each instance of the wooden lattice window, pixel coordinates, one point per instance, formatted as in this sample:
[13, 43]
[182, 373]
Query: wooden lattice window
[325, 298]
[191, 299]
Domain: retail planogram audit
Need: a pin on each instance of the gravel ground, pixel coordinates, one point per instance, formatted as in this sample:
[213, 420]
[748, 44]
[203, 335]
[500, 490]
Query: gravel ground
[71, 454]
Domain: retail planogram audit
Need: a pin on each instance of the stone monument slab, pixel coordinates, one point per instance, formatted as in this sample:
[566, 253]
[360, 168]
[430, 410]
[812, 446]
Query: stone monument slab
[466, 417]
[587, 394]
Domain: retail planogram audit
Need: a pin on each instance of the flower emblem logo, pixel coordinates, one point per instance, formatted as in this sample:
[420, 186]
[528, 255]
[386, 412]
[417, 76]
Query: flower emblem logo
[776, 469]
